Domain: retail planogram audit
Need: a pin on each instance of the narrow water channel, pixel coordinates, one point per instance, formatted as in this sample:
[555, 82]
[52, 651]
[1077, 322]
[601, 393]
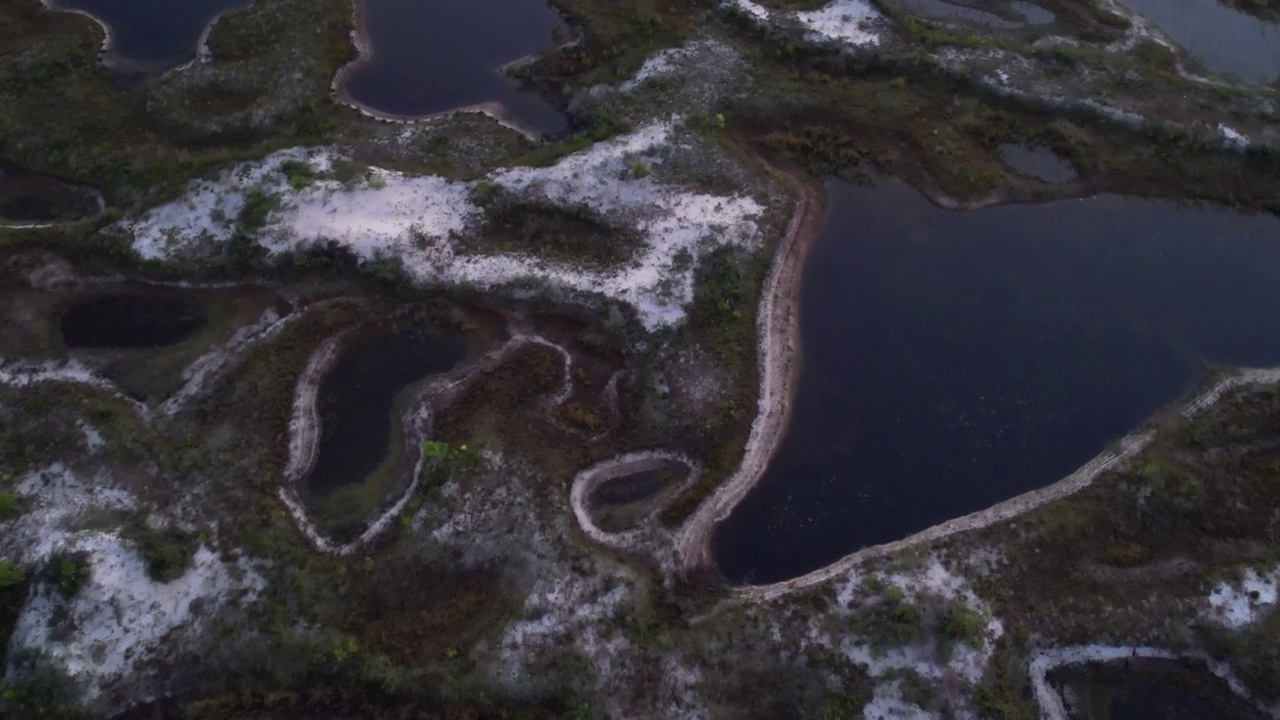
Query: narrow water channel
[954, 360]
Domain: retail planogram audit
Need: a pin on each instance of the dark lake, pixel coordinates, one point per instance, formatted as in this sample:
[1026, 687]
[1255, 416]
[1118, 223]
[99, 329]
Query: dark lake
[131, 320]
[358, 398]
[153, 32]
[428, 57]
[955, 360]
[1223, 40]
[31, 198]
[1148, 690]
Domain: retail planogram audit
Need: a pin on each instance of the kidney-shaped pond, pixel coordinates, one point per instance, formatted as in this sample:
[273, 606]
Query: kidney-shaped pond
[363, 458]
[425, 58]
[152, 32]
[955, 360]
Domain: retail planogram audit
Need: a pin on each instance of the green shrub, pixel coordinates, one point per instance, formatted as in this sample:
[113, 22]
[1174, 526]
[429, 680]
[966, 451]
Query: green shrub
[960, 623]
[10, 574]
[298, 173]
[68, 572]
[8, 506]
[167, 553]
[258, 205]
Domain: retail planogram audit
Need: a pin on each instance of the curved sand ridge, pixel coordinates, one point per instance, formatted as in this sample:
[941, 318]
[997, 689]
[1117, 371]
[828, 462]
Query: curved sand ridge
[649, 536]
[305, 427]
[777, 325]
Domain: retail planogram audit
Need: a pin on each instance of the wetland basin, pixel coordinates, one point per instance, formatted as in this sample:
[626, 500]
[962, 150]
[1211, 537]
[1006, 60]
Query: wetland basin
[1223, 40]
[28, 199]
[951, 360]
[360, 402]
[420, 59]
[132, 320]
[152, 33]
[1148, 689]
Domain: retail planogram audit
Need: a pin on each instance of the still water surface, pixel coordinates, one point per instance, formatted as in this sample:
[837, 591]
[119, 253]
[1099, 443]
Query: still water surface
[955, 360]
[357, 398]
[1224, 40]
[430, 56]
[153, 31]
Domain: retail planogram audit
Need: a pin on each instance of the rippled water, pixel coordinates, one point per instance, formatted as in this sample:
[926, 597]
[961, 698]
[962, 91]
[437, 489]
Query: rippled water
[954, 360]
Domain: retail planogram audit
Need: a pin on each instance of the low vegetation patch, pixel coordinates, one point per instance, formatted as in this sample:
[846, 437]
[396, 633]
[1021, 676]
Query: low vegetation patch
[543, 229]
[167, 552]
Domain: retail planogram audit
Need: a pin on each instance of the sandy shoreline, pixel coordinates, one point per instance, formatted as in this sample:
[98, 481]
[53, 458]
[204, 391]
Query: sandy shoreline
[364, 54]
[1129, 446]
[779, 363]
[779, 354]
[115, 61]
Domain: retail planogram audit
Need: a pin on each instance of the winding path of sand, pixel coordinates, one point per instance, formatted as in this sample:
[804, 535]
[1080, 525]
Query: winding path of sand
[779, 363]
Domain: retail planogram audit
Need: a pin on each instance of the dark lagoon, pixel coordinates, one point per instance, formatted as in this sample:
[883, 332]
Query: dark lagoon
[28, 198]
[357, 401]
[153, 32]
[426, 58]
[955, 360]
[1145, 689]
[1223, 40]
[131, 320]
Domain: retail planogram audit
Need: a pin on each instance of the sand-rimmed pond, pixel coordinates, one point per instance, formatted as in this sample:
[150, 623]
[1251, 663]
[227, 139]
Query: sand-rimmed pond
[150, 34]
[420, 59]
[954, 360]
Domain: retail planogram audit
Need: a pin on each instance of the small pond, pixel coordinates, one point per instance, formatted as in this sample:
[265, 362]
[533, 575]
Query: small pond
[430, 57]
[153, 32]
[1223, 40]
[131, 320]
[622, 502]
[357, 400]
[28, 198]
[1143, 689]
[1039, 162]
[954, 360]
